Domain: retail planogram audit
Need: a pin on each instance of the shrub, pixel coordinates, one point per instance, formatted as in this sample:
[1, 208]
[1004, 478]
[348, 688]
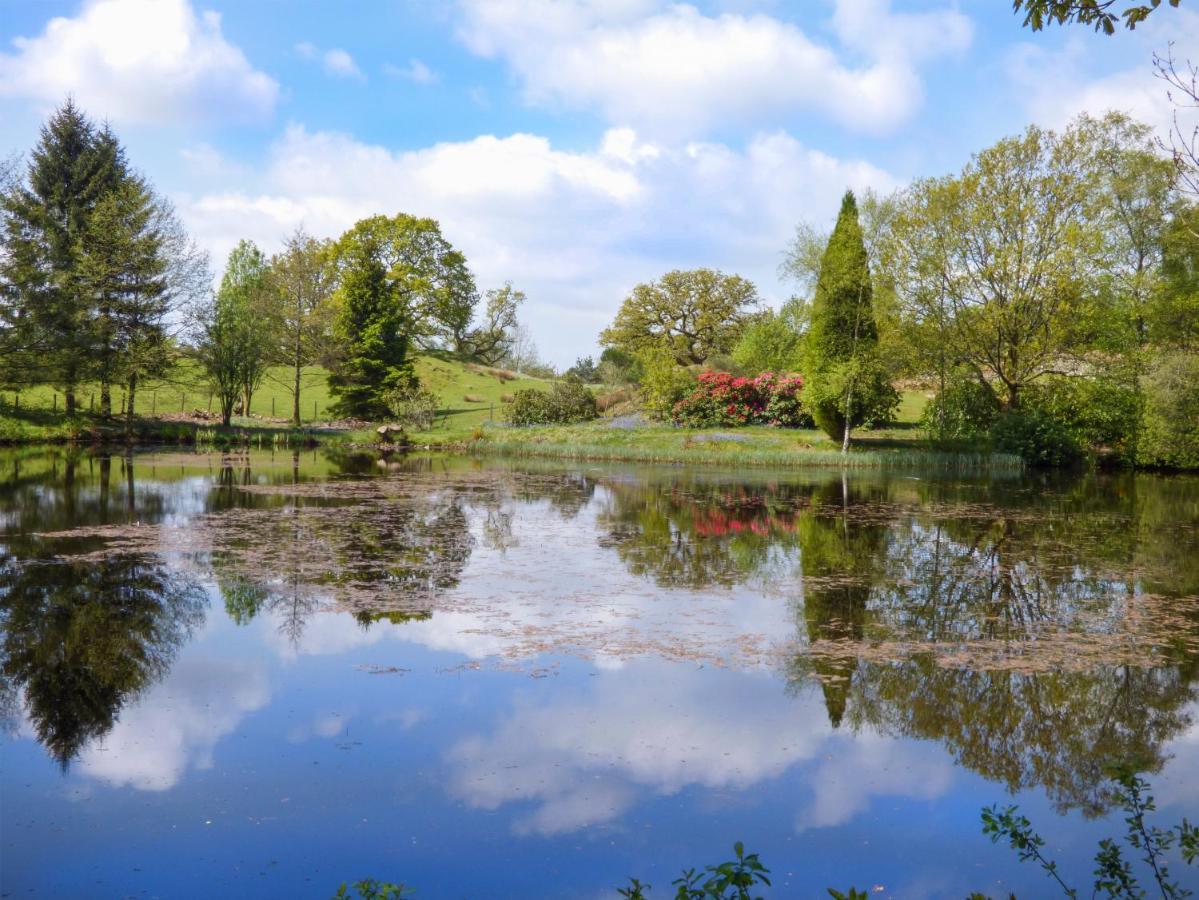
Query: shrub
[966, 408]
[473, 398]
[663, 383]
[874, 400]
[615, 397]
[721, 399]
[1101, 412]
[1036, 438]
[1170, 424]
[566, 401]
[412, 405]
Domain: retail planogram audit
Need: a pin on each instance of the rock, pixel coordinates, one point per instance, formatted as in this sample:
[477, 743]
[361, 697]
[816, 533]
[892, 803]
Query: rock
[386, 433]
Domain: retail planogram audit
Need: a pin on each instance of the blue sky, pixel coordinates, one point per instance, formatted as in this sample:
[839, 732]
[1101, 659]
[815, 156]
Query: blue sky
[574, 147]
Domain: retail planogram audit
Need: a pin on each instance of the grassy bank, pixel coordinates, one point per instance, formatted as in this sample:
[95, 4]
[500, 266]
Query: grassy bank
[175, 410]
[741, 447]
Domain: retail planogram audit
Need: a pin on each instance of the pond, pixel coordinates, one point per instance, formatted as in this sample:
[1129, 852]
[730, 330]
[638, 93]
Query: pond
[266, 674]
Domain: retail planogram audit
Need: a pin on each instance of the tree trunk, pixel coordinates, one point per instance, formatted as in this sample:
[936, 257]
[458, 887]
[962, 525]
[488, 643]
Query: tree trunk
[295, 406]
[848, 417]
[129, 407]
[69, 404]
[226, 408]
[246, 395]
[105, 399]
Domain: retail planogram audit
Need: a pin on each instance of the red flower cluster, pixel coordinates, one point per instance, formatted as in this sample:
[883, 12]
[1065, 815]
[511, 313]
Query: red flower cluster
[722, 400]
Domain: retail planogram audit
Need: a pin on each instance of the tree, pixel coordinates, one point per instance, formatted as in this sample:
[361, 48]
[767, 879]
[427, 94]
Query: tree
[845, 386]
[585, 370]
[135, 265]
[44, 219]
[1097, 13]
[1182, 89]
[1130, 194]
[998, 257]
[250, 295]
[495, 337]
[773, 342]
[1174, 317]
[692, 314]
[303, 277]
[373, 324]
[221, 326]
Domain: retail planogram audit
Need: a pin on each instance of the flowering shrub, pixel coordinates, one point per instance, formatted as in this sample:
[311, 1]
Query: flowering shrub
[720, 400]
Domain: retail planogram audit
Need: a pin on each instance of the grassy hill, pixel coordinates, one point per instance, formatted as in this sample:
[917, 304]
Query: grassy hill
[470, 395]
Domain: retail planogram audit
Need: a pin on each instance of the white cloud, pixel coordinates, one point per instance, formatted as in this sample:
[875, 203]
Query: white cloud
[585, 758]
[674, 70]
[574, 229]
[336, 62]
[416, 72]
[177, 724]
[1059, 84]
[139, 61]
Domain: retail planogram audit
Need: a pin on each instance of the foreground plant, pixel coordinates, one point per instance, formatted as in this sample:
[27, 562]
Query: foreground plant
[1114, 875]
[729, 880]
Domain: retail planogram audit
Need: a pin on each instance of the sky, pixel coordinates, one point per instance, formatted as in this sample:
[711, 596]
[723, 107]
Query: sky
[572, 147]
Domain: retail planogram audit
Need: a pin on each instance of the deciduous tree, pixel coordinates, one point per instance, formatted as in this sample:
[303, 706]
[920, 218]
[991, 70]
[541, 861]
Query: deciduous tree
[691, 314]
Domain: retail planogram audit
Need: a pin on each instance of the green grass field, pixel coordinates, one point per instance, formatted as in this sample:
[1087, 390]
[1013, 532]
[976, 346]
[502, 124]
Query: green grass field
[471, 400]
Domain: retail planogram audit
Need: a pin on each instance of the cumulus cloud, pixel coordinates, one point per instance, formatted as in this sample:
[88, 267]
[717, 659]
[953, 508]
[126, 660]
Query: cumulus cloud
[336, 62]
[674, 70]
[575, 229]
[139, 61]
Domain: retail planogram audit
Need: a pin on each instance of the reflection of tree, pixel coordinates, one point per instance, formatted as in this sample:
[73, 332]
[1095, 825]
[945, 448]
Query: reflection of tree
[695, 533]
[961, 622]
[839, 564]
[83, 638]
[381, 555]
[1054, 730]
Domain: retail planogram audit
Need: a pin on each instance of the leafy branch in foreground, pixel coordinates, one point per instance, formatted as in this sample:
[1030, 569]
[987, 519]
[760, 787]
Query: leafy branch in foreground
[729, 880]
[1114, 875]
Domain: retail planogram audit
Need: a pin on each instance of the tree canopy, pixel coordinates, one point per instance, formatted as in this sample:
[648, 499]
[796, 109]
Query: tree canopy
[691, 314]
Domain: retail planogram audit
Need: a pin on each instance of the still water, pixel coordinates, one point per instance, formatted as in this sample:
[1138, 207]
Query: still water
[263, 675]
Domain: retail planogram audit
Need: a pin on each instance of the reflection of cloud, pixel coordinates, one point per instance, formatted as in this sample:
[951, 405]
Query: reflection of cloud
[869, 766]
[177, 724]
[584, 759]
[323, 725]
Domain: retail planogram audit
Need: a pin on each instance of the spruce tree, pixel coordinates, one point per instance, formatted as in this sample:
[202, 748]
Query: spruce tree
[846, 386]
[44, 220]
[373, 326]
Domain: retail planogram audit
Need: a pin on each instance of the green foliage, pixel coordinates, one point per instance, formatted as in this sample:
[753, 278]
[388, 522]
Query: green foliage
[862, 385]
[47, 315]
[1097, 13]
[493, 340]
[1036, 438]
[689, 314]
[1101, 412]
[846, 385]
[965, 409]
[374, 322]
[618, 368]
[1174, 316]
[369, 889]
[731, 880]
[770, 343]
[842, 318]
[663, 382]
[567, 401]
[1114, 874]
[1170, 435]
[414, 406]
[585, 370]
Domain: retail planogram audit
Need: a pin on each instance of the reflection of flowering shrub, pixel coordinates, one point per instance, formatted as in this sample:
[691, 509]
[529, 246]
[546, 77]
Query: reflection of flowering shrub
[720, 400]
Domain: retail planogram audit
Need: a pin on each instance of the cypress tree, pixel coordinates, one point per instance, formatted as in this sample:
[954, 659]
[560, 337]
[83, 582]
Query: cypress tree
[845, 386]
[45, 218]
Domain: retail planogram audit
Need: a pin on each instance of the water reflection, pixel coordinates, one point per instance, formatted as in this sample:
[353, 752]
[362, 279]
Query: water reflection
[1032, 629]
[82, 639]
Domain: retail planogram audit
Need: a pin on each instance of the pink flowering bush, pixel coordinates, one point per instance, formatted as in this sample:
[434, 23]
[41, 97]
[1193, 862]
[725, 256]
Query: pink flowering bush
[721, 400]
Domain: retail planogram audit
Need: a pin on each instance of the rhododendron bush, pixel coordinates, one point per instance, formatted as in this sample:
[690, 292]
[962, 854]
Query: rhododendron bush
[720, 400]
